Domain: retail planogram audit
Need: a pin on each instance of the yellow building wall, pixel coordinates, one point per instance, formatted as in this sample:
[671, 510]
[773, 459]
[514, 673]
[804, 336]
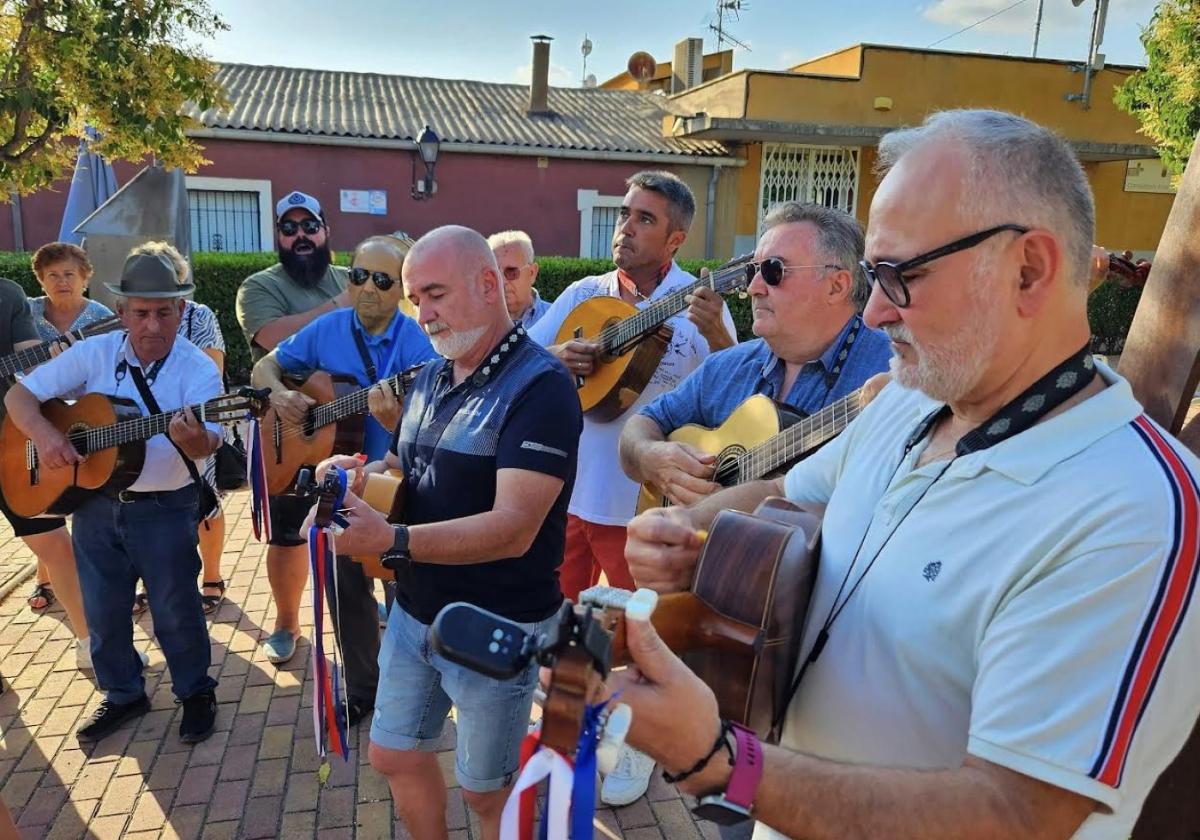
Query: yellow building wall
[1126, 220]
[841, 63]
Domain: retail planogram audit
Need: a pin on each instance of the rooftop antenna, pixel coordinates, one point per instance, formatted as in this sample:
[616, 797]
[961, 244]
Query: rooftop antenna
[586, 49]
[734, 8]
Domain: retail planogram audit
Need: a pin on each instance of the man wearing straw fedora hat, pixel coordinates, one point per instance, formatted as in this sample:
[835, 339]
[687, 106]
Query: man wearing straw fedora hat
[160, 508]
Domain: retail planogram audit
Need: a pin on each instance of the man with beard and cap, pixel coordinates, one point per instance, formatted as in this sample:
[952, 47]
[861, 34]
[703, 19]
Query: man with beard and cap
[272, 305]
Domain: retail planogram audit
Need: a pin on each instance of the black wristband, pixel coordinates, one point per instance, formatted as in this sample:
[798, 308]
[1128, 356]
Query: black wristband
[722, 741]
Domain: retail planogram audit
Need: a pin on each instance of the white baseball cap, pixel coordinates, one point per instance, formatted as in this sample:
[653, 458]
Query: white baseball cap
[296, 199]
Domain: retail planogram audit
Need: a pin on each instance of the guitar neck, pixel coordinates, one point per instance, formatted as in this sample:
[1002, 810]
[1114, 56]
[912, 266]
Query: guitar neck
[632, 329]
[799, 439]
[355, 402]
[21, 360]
[140, 428]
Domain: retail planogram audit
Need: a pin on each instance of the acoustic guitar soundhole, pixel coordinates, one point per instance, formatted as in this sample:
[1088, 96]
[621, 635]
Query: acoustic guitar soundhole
[728, 466]
[78, 436]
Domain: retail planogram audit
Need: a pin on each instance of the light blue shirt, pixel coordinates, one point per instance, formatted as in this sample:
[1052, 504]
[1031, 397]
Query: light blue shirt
[186, 378]
[536, 309]
[327, 344]
[725, 380]
[93, 312]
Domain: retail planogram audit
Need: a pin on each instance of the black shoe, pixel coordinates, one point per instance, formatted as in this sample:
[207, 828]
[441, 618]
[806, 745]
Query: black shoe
[356, 710]
[199, 717]
[108, 716]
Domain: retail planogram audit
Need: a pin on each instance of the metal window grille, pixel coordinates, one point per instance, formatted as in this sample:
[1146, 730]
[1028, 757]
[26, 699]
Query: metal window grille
[826, 175]
[604, 223]
[224, 220]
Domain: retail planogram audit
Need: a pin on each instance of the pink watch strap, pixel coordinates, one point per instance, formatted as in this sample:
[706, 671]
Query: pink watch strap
[747, 767]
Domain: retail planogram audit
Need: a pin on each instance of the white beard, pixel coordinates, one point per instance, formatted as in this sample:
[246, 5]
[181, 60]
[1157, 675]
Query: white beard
[450, 344]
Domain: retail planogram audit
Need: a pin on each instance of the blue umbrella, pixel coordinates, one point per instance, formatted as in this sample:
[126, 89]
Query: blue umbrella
[91, 186]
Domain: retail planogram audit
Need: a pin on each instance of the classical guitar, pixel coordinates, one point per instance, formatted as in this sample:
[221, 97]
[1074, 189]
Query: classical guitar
[21, 360]
[634, 340]
[111, 434]
[335, 425]
[760, 438]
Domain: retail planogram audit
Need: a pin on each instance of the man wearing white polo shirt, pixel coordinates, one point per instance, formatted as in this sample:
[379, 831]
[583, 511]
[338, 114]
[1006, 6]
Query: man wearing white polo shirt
[1001, 640]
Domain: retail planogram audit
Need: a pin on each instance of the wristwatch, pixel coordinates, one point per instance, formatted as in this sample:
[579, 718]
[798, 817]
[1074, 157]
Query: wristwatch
[399, 549]
[733, 806]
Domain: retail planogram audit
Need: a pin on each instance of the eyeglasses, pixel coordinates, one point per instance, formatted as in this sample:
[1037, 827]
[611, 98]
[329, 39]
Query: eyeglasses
[890, 276]
[512, 273]
[289, 227]
[382, 280]
[773, 269]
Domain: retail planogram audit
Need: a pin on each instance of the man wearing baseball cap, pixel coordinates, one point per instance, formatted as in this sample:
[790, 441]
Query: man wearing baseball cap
[272, 305]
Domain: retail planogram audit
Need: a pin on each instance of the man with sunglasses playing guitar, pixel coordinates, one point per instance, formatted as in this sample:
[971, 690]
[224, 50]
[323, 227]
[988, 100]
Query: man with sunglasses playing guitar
[370, 341]
[812, 347]
[1001, 639]
[273, 304]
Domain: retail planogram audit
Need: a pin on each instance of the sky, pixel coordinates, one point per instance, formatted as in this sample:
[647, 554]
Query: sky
[488, 41]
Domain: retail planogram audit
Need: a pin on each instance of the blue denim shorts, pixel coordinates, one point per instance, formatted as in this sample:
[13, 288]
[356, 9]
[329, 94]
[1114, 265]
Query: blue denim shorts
[417, 687]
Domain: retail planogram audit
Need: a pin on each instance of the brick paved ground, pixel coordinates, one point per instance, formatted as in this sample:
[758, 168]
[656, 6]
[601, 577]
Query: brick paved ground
[255, 777]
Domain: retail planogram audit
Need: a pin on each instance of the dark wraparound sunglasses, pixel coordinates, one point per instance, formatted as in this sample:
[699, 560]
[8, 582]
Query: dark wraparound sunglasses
[773, 269]
[382, 280]
[289, 227]
[512, 273]
[890, 276]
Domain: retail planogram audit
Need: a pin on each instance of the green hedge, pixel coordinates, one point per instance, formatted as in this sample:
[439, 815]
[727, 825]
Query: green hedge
[218, 276]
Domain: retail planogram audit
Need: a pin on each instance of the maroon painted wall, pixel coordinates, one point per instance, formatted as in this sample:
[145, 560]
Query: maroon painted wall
[486, 192]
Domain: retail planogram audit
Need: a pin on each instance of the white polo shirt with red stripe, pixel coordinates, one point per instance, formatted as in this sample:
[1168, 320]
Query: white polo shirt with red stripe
[1034, 609]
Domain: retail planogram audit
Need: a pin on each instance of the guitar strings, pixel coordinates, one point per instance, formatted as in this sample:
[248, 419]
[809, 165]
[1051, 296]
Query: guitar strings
[775, 452]
[353, 403]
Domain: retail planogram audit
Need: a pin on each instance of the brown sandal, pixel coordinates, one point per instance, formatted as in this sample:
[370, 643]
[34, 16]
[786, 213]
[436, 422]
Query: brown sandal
[43, 592]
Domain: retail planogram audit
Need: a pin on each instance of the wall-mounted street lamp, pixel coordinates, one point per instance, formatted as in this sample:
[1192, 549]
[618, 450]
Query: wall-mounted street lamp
[427, 147]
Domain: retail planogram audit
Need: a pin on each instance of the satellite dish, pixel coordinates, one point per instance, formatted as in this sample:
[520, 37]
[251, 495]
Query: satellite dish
[590, 81]
[641, 67]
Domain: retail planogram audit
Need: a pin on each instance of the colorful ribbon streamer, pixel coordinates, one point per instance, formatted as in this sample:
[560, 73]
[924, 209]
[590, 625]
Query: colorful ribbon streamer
[330, 724]
[256, 477]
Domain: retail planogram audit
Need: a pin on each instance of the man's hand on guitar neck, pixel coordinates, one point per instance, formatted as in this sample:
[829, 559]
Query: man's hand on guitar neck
[682, 472]
[705, 308]
[578, 354]
[383, 405]
[192, 436]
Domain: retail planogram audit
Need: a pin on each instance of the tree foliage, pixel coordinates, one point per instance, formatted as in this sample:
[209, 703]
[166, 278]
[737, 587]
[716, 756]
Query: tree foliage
[124, 67]
[1165, 97]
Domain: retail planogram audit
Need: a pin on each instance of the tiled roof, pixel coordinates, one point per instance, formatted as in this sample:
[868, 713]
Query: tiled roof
[369, 105]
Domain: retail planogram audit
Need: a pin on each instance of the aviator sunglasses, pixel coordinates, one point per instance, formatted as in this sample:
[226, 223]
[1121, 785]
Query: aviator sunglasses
[383, 281]
[289, 227]
[773, 269]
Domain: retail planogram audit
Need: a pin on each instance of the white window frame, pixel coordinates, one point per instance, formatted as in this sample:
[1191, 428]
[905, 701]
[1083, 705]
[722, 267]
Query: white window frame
[266, 207]
[585, 202]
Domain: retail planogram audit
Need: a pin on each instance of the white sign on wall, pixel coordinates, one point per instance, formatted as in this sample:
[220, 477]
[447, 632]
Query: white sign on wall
[373, 202]
[1147, 175]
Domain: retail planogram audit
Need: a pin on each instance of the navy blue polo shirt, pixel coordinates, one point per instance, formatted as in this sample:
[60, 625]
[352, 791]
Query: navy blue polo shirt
[519, 410]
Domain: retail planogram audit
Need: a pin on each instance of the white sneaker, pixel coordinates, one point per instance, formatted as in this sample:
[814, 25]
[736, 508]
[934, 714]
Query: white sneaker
[83, 655]
[628, 782]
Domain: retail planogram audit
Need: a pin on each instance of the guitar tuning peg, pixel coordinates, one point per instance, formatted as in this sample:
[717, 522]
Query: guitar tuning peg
[612, 739]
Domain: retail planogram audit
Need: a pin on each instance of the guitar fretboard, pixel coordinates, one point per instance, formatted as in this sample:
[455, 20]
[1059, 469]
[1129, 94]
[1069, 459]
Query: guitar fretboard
[630, 330]
[21, 360]
[143, 428]
[356, 402]
[789, 445]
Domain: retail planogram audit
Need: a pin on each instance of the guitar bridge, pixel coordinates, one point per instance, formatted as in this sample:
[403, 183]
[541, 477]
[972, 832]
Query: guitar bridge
[31, 463]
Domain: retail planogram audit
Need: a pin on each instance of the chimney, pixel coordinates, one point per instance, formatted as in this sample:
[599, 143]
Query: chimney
[687, 70]
[539, 82]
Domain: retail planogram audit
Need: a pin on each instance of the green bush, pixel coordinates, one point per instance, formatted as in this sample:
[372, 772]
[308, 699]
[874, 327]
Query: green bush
[1110, 312]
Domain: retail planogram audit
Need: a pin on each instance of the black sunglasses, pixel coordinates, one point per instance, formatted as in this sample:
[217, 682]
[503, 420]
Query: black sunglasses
[512, 273]
[383, 281]
[289, 227]
[890, 276]
[773, 269]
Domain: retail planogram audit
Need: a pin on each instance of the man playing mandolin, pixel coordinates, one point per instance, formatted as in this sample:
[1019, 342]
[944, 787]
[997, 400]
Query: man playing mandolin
[1001, 638]
[812, 347]
[159, 511]
[487, 446]
[370, 342]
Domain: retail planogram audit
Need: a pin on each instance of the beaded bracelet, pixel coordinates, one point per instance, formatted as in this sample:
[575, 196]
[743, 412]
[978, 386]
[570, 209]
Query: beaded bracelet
[722, 741]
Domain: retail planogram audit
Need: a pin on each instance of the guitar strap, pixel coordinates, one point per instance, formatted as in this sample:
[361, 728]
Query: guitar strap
[368, 364]
[208, 501]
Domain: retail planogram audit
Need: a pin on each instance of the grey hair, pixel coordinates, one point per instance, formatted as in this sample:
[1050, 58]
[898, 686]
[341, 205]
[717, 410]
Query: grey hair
[512, 237]
[839, 236]
[1017, 165]
[679, 196]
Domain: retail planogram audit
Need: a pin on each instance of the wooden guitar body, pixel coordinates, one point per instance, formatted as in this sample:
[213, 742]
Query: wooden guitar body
[287, 448]
[385, 493]
[740, 626]
[618, 380]
[755, 421]
[40, 491]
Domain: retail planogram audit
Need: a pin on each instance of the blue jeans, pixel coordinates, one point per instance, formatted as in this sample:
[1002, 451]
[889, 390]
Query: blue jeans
[417, 688]
[152, 538]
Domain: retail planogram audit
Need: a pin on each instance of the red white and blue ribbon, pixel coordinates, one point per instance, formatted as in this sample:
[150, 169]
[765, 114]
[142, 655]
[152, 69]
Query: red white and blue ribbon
[256, 477]
[571, 796]
[330, 725]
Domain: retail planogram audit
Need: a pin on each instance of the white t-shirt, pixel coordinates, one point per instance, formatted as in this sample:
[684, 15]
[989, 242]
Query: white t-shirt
[187, 377]
[1033, 610]
[603, 494]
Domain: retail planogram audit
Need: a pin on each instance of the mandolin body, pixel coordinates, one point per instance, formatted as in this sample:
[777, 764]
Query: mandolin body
[617, 381]
[287, 448]
[33, 490]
